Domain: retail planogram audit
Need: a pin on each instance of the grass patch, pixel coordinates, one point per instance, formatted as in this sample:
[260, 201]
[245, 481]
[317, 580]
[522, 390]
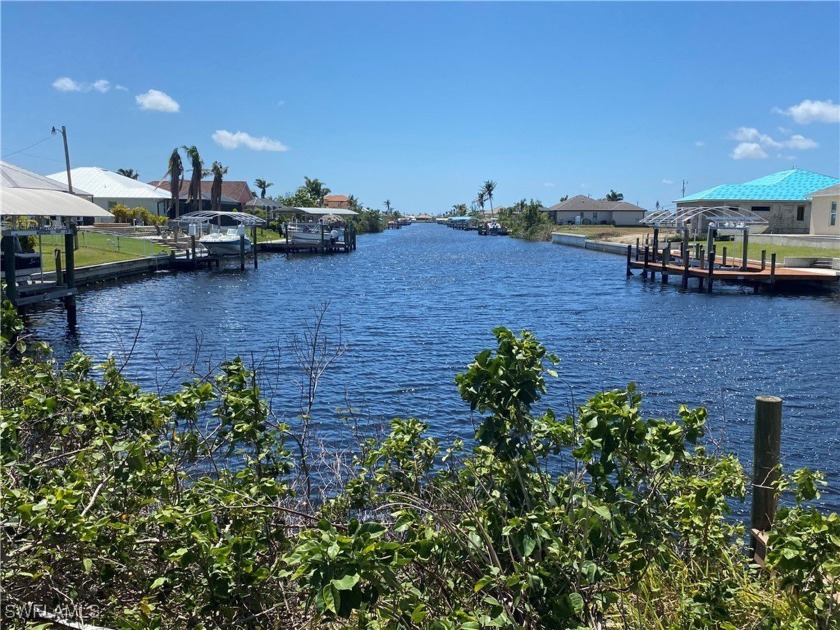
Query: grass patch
[735, 250]
[97, 249]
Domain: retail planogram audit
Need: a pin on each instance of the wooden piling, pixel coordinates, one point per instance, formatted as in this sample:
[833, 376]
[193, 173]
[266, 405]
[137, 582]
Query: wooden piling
[9, 264]
[685, 269]
[242, 251]
[666, 258]
[767, 443]
[723, 262]
[192, 248]
[655, 242]
[70, 276]
[773, 268]
[711, 267]
[254, 245]
[746, 247]
[637, 248]
[629, 250]
[59, 273]
[645, 270]
[763, 259]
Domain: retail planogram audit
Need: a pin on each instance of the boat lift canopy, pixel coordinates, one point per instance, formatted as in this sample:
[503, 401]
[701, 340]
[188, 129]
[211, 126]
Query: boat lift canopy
[203, 217]
[724, 217]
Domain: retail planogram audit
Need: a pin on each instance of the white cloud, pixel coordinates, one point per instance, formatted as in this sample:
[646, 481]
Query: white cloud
[584, 185]
[699, 143]
[548, 185]
[752, 144]
[157, 101]
[120, 88]
[667, 182]
[228, 140]
[281, 103]
[66, 84]
[752, 135]
[812, 111]
[748, 151]
[800, 142]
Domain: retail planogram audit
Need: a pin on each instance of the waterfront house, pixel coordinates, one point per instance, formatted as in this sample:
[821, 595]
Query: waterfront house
[336, 201]
[109, 189]
[824, 220]
[583, 210]
[782, 199]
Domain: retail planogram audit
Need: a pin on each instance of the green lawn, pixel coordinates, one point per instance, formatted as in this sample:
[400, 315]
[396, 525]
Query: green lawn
[96, 249]
[734, 250]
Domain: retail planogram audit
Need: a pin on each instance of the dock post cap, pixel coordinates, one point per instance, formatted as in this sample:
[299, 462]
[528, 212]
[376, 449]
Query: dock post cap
[768, 398]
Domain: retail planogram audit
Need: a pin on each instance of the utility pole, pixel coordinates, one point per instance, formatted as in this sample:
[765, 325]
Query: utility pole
[66, 156]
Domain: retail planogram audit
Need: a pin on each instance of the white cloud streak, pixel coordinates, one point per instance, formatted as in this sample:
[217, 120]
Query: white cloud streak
[667, 182]
[157, 101]
[748, 151]
[699, 143]
[230, 140]
[66, 84]
[812, 111]
[752, 144]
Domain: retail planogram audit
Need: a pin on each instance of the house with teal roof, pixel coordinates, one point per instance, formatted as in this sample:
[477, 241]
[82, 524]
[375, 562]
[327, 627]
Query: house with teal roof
[783, 199]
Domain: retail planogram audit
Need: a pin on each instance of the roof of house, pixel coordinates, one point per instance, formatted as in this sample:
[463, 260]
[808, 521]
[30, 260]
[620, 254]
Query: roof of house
[795, 184]
[582, 203]
[236, 190]
[336, 198]
[831, 191]
[12, 176]
[103, 183]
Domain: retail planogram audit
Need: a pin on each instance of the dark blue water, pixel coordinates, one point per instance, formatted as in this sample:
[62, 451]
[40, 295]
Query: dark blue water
[414, 306]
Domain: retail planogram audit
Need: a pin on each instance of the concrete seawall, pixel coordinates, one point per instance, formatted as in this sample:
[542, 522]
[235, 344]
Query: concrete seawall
[576, 240]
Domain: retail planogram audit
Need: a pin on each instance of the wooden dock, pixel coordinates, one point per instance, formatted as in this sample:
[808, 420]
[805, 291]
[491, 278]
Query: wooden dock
[705, 270]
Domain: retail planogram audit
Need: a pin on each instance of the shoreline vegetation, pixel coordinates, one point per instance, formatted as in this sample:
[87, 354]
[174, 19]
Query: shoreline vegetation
[197, 508]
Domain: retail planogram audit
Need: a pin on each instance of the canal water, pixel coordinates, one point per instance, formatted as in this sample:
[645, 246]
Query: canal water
[413, 306]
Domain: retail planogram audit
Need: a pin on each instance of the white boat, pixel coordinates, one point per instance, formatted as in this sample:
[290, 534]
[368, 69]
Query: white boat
[224, 243]
[307, 233]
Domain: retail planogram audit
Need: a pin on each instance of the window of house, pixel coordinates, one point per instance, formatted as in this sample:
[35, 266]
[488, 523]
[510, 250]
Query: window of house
[760, 208]
[800, 213]
[832, 216]
[594, 216]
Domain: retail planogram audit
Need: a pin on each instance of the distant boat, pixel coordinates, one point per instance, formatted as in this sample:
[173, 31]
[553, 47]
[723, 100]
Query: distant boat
[224, 243]
[493, 228]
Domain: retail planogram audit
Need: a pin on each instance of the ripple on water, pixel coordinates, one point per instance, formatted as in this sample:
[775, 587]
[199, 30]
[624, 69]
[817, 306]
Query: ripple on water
[415, 305]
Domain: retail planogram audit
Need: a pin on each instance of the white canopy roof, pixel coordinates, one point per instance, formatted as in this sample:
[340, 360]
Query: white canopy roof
[103, 183]
[27, 202]
[12, 176]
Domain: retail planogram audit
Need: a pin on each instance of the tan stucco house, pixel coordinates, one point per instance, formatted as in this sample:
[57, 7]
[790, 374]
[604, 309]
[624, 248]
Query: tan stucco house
[824, 219]
[584, 210]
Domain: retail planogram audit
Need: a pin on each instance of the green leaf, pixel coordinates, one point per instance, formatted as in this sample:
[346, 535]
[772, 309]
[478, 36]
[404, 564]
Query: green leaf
[158, 583]
[330, 597]
[347, 582]
[87, 563]
[577, 602]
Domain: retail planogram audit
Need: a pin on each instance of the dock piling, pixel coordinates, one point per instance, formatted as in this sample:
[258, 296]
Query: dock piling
[9, 271]
[629, 250]
[766, 455]
[773, 268]
[711, 270]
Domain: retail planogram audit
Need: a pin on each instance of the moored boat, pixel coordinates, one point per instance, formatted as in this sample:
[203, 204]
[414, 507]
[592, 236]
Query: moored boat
[224, 243]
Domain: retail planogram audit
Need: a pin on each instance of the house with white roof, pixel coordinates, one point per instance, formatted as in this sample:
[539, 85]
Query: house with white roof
[783, 199]
[109, 189]
[824, 219]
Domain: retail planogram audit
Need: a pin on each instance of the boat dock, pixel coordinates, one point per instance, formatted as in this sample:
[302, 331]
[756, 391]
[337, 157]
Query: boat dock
[706, 270]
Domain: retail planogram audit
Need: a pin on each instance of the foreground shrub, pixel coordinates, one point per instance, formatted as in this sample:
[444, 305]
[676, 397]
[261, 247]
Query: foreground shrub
[133, 510]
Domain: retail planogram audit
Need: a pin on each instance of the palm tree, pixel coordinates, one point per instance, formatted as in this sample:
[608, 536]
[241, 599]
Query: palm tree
[614, 196]
[216, 191]
[480, 199]
[353, 203]
[387, 206]
[488, 188]
[128, 172]
[262, 185]
[316, 189]
[194, 193]
[175, 170]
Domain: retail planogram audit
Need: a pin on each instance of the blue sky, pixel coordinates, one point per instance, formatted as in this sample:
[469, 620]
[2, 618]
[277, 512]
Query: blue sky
[420, 103]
